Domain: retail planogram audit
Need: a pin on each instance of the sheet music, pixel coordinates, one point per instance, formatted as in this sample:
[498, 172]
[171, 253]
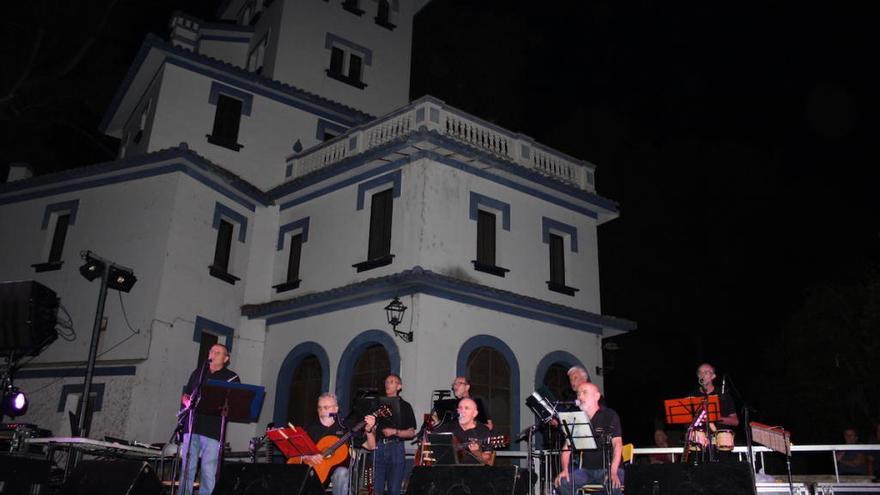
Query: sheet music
[581, 430]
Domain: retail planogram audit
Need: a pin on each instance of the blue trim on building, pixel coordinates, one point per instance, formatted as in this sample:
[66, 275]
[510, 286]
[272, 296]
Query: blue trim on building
[392, 178]
[190, 167]
[77, 388]
[75, 372]
[247, 99]
[301, 224]
[233, 39]
[326, 125]
[69, 207]
[285, 376]
[223, 211]
[548, 224]
[478, 200]
[350, 356]
[561, 357]
[259, 85]
[475, 343]
[423, 281]
[203, 325]
[331, 38]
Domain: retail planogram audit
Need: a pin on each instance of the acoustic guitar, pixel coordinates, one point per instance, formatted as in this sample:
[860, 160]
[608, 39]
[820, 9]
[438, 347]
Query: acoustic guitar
[334, 450]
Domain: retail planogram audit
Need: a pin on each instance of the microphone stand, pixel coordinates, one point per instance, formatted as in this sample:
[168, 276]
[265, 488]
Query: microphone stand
[748, 431]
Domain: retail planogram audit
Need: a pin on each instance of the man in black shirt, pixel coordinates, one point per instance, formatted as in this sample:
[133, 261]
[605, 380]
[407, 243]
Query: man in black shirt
[606, 425]
[728, 419]
[389, 457]
[328, 423]
[204, 439]
[468, 432]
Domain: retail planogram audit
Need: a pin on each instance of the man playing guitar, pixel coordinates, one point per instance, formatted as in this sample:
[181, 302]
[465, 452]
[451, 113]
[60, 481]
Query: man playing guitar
[467, 431]
[328, 424]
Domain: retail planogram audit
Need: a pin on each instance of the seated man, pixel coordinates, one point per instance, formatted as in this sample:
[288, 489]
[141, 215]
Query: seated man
[469, 434]
[328, 424]
[605, 423]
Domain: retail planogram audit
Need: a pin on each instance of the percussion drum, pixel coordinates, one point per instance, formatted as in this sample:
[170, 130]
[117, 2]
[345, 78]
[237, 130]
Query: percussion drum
[724, 440]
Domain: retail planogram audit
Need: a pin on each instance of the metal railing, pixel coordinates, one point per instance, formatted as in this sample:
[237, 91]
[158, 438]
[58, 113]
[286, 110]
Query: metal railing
[431, 114]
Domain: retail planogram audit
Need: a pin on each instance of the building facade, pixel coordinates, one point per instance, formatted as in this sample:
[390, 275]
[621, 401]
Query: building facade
[274, 191]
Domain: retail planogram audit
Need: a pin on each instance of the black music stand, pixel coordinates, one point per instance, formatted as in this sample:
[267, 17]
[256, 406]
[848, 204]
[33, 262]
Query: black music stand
[237, 402]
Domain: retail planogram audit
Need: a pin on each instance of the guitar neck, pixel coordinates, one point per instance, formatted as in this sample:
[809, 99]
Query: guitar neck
[344, 438]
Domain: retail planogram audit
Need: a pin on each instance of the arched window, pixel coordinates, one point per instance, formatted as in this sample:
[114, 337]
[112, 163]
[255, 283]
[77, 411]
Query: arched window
[305, 387]
[556, 379]
[490, 379]
[369, 371]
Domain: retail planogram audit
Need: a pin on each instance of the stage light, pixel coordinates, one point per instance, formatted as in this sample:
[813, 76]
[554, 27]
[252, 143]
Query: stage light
[92, 269]
[121, 280]
[15, 402]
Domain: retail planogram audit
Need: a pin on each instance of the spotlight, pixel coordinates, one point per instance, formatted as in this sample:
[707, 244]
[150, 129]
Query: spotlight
[15, 402]
[92, 269]
[121, 280]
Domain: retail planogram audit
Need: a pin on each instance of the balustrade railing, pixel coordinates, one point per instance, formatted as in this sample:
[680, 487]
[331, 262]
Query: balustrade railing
[433, 115]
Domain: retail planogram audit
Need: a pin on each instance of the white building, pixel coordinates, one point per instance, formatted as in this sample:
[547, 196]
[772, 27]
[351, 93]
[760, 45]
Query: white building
[261, 204]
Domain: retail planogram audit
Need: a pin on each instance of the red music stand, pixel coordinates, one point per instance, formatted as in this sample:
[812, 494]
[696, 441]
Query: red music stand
[293, 441]
[682, 411]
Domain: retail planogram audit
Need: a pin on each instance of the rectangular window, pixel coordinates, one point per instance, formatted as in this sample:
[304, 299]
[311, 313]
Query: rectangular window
[223, 249]
[557, 260]
[380, 225]
[207, 341]
[383, 15]
[337, 56]
[354, 68]
[226, 122]
[485, 238]
[58, 238]
[293, 259]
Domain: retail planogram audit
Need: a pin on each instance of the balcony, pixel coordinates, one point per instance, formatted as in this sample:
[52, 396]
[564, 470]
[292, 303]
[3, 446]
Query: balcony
[433, 115]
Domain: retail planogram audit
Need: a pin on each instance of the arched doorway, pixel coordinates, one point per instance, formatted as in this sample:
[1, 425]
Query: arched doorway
[305, 387]
[369, 371]
[490, 378]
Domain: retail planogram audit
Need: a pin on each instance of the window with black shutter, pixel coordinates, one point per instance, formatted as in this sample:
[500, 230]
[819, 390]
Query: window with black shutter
[557, 259]
[223, 253]
[485, 237]
[354, 68]
[226, 122]
[383, 15]
[293, 262]
[58, 238]
[380, 225]
[337, 57]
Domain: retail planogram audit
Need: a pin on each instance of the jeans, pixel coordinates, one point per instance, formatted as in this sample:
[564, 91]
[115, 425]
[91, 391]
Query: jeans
[340, 479]
[388, 467]
[582, 477]
[208, 450]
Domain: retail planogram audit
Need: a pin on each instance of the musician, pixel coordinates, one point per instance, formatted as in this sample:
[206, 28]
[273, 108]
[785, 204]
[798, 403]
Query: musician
[204, 441]
[461, 388]
[329, 424]
[606, 425]
[468, 431]
[577, 375]
[706, 378]
[388, 458]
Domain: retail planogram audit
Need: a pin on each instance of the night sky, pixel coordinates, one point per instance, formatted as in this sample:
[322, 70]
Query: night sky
[735, 138]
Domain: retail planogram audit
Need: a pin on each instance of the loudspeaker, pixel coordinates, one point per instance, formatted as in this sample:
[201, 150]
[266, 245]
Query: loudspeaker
[28, 312]
[241, 478]
[112, 477]
[460, 480]
[725, 478]
[23, 474]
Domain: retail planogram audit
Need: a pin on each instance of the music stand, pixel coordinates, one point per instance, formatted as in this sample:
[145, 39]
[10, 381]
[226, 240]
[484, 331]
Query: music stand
[683, 410]
[293, 441]
[442, 449]
[578, 432]
[446, 409]
[237, 402]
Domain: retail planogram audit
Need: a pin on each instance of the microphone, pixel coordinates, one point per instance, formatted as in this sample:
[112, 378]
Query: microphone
[702, 382]
[723, 383]
[570, 402]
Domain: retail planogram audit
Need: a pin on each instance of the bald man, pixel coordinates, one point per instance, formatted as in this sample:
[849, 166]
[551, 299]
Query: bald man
[467, 431]
[589, 464]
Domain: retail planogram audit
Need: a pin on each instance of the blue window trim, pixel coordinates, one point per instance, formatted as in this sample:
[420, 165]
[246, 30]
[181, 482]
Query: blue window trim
[301, 224]
[247, 99]
[76, 372]
[478, 200]
[548, 224]
[203, 324]
[478, 341]
[69, 207]
[221, 211]
[350, 356]
[366, 52]
[556, 357]
[363, 187]
[285, 376]
[77, 388]
[326, 125]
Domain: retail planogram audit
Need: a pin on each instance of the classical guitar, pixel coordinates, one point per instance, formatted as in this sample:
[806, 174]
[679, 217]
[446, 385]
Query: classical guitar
[494, 442]
[334, 450]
